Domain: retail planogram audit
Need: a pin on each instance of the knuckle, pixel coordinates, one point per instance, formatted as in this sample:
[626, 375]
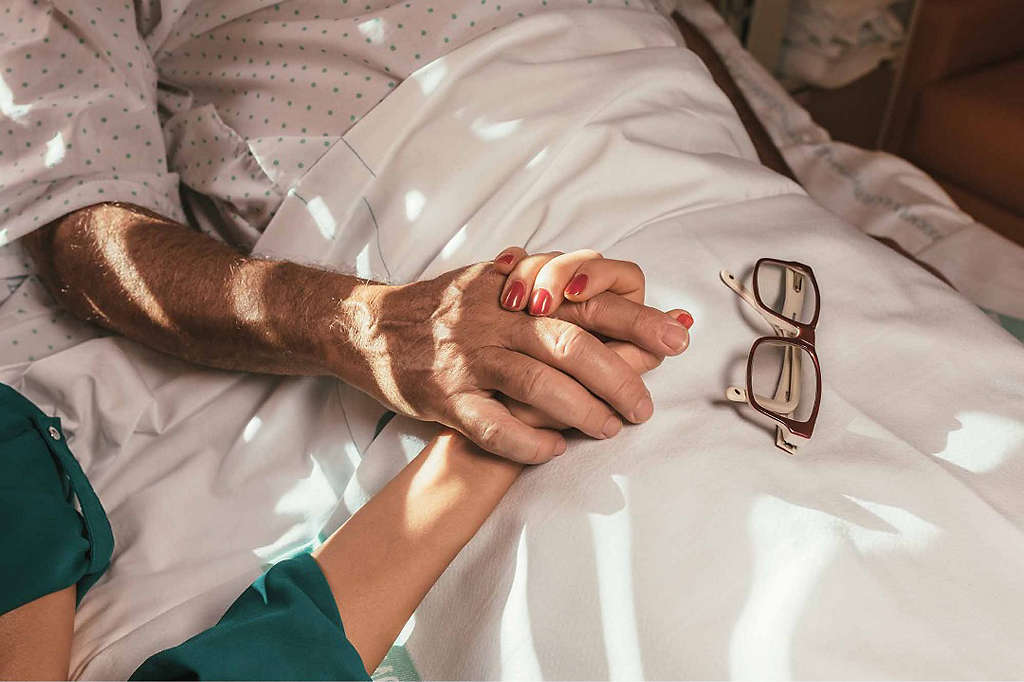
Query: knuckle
[534, 382]
[538, 454]
[593, 309]
[645, 320]
[595, 416]
[569, 342]
[478, 365]
[451, 410]
[630, 388]
[489, 436]
[639, 321]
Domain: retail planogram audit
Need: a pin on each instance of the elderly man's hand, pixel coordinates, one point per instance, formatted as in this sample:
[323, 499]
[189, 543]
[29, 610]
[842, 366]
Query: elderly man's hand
[441, 350]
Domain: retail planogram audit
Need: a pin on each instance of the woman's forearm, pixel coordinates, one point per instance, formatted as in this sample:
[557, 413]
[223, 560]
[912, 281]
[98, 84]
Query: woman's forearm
[385, 559]
[35, 638]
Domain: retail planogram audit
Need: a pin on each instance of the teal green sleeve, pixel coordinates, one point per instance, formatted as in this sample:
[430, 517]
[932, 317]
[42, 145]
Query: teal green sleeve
[48, 544]
[285, 626]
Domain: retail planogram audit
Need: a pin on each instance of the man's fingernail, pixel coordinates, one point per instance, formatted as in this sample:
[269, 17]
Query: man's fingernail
[611, 427]
[643, 410]
[685, 319]
[506, 259]
[576, 286]
[515, 295]
[560, 449]
[675, 336]
[540, 303]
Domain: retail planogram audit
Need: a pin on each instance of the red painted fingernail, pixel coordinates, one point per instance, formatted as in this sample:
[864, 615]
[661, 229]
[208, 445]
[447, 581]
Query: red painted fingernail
[576, 286]
[540, 303]
[506, 259]
[515, 295]
[685, 319]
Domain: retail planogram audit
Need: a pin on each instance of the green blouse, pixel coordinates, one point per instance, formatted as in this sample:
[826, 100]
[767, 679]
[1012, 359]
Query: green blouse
[284, 626]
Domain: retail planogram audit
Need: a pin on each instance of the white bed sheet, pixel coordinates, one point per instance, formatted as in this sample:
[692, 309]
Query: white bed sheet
[879, 193]
[688, 547]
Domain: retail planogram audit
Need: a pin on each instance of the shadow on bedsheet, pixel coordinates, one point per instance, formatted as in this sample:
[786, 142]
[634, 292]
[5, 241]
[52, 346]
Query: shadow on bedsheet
[699, 562]
[802, 532]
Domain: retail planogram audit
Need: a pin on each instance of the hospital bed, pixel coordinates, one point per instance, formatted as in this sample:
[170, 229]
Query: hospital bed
[890, 546]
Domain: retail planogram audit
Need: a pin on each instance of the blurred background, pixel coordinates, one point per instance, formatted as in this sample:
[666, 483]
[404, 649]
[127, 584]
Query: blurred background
[938, 82]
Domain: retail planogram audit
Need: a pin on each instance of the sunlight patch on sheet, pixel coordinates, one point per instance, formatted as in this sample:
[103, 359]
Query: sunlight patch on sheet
[363, 268]
[406, 632]
[372, 29]
[8, 108]
[250, 430]
[431, 75]
[912, 532]
[354, 496]
[412, 445]
[455, 243]
[54, 150]
[322, 216]
[983, 441]
[308, 493]
[310, 500]
[493, 130]
[538, 157]
[791, 546]
[518, 651]
[353, 454]
[414, 203]
[613, 549]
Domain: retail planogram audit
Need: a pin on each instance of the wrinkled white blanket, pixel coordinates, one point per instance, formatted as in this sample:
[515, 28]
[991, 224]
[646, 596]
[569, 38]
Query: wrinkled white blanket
[879, 193]
[688, 547]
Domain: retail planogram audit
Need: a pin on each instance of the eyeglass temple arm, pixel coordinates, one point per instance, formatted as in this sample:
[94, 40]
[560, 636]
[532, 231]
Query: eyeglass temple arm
[779, 325]
[789, 386]
[787, 394]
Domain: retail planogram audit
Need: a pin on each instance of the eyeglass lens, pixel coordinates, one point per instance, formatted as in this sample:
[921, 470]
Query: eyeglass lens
[783, 379]
[786, 291]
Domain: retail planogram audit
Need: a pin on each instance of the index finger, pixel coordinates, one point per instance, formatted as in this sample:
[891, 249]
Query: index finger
[615, 317]
[574, 351]
[489, 424]
[622, 277]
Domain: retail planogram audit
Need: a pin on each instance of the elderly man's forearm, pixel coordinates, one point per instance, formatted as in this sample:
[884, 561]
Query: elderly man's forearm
[436, 350]
[179, 291]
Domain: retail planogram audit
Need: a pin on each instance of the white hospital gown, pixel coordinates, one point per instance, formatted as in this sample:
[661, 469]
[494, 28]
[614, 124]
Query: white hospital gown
[204, 111]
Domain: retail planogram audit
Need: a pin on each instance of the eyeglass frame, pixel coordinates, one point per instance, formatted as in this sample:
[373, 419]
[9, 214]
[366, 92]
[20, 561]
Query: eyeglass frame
[800, 335]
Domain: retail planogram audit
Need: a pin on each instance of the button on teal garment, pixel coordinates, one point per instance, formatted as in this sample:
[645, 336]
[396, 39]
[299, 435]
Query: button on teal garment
[284, 627]
[47, 544]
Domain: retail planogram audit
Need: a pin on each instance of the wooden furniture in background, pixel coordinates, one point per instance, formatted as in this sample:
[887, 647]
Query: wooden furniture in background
[958, 109]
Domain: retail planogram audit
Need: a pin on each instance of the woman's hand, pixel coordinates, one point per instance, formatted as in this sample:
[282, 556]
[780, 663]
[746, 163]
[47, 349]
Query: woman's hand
[539, 283]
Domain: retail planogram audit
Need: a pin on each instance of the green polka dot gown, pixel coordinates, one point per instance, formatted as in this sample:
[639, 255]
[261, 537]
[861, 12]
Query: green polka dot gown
[113, 100]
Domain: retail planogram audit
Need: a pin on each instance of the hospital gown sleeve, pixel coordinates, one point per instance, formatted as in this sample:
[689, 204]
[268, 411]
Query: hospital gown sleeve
[78, 114]
[285, 626]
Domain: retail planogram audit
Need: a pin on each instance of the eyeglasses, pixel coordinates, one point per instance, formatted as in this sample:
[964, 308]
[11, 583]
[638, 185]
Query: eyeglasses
[780, 384]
